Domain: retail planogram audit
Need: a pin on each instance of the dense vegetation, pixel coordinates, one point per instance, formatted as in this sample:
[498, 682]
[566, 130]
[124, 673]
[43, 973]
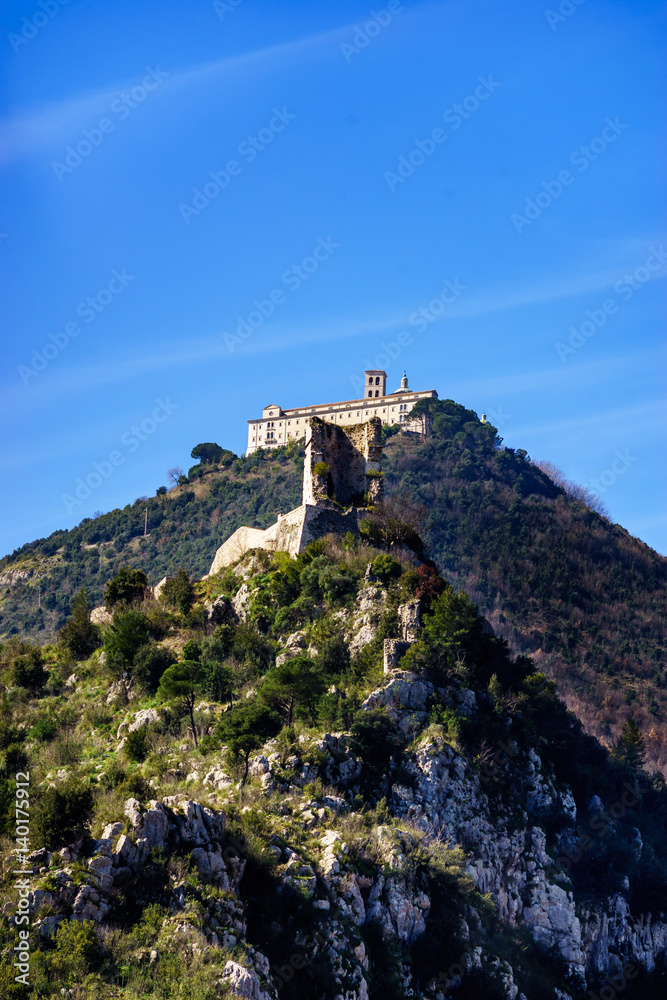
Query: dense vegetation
[185, 526]
[168, 655]
[557, 579]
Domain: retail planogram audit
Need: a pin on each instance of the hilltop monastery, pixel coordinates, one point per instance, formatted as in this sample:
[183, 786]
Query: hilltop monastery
[277, 426]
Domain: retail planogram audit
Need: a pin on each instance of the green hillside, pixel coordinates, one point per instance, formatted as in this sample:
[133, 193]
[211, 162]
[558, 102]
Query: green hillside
[554, 577]
[250, 805]
[185, 527]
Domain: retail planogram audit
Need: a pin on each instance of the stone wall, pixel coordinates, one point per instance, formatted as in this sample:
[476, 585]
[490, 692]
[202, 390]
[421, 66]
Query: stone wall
[341, 465]
[291, 533]
[352, 456]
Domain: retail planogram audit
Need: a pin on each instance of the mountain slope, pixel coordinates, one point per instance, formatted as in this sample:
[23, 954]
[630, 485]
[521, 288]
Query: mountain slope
[186, 526]
[321, 824]
[555, 578]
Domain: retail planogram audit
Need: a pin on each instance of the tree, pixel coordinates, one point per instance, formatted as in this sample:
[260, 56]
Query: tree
[430, 585]
[374, 738]
[179, 592]
[573, 491]
[150, 662]
[182, 682]
[127, 587]
[246, 728]
[217, 681]
[174, 475]
[125, 637]
[79, 635]
[62, 813]
[631, 745]
[384, 568]
[208, 453]
[455, 631]
[28, 671]
[296, 684]
[395, 521]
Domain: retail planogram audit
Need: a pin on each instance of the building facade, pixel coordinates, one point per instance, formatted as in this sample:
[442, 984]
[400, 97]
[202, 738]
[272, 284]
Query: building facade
[277, 427]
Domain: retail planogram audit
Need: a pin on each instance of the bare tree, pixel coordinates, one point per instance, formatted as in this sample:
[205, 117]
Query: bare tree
[573, 491]
[173, 475]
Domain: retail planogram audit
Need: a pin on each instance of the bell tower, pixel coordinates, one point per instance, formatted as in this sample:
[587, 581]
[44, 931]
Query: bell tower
[375, 383]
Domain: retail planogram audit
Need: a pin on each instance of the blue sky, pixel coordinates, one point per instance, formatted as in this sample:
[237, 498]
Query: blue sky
[168, 166]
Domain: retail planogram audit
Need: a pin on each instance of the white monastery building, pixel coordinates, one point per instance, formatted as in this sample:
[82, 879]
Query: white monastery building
[277, 426]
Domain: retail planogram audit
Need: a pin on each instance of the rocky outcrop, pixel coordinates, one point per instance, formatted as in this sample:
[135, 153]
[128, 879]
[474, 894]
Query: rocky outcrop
[295, 645]
[101, 616]
[362, 624]
[13, 576]
[220, 612]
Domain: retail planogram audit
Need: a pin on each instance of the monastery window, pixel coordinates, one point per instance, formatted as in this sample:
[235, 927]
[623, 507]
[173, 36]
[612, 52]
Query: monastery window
[370, 380]
[370, 392]
[377, 392]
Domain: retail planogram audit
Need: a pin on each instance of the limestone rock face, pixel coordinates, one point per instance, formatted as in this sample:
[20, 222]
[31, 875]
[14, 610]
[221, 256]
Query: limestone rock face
[220, 612]
[10, 577]
[409, 620]
[243, 982]
[142, 718]
[295, 645]
[240, 602]
[100, 616]
[362, 625]
[438, 798]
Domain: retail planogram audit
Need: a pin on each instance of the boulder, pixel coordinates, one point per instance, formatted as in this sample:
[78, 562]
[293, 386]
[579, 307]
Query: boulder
[100, 616]
[142, 718]
[295, 644]
[243, 982]
[220, 612]
[240, 602]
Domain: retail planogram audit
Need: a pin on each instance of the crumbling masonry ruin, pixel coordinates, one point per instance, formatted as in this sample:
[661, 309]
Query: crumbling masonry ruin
[341, 474]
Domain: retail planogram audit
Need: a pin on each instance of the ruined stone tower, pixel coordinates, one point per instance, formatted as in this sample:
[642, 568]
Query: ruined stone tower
[343, 464]
[341, 472]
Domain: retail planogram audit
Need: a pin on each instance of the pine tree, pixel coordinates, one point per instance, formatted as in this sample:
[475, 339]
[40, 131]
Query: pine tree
[631, 745]
[79, 635]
